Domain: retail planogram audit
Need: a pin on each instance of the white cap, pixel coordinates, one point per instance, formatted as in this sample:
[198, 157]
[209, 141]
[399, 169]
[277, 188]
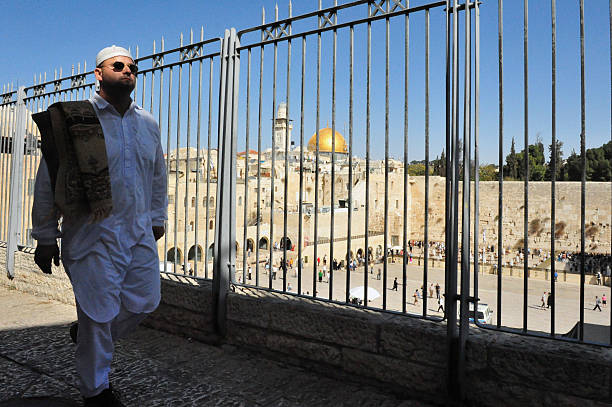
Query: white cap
[112, 51]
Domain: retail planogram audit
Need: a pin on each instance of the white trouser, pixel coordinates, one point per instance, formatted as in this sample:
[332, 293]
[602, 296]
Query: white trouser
[95, 346]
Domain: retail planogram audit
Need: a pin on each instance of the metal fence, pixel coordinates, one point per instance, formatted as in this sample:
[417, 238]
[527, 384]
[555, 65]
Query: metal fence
[335, 219]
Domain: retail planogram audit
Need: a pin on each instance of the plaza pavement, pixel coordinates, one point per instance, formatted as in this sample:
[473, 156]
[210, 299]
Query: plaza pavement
[152, 368]
[567, 312]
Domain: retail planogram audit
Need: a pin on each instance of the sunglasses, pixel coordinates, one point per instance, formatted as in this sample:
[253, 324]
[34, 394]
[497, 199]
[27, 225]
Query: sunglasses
[118, 66]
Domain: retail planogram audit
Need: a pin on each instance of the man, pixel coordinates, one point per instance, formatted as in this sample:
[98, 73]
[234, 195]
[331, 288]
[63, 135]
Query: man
[112, 261]
[597, 304]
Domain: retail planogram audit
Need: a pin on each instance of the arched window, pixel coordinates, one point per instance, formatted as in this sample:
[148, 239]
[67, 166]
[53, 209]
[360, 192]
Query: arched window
[174, 253]
[193, 252]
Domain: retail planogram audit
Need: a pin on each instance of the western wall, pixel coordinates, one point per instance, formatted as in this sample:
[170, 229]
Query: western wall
[598, 211]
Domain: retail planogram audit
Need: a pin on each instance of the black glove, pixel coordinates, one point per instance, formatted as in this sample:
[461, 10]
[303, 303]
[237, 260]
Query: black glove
[44, 254]
[158, 232]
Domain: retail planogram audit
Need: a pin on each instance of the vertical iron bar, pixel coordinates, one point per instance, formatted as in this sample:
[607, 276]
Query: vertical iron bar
[273, 167]
[426, 222]
[177, 163]
[583, 161]
[500, 209]
[159, 121]
[610, 174]
[187, 165]
[286, 192]
[168, 168]
[333, 162]
[466, 198]
[476, 155]
[367, 194]
[3, 154]
[405, 209]
[316, 225]
[300, 228]
[208, 164]
[261, 60]
[453, 379]
[246, 171]
[198, 254]
[386, 203]
[144, 87]
[152, 85]
[15, 202]
[350, 174]
[553, 17]
[525, 162]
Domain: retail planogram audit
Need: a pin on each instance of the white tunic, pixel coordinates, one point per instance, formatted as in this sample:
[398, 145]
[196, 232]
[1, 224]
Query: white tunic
[115, 261]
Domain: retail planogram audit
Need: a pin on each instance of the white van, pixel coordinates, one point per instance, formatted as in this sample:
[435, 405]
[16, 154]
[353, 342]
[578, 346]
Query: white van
[484, 314]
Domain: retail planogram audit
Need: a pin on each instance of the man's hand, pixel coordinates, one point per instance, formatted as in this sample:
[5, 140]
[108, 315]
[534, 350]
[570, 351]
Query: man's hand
[43, 256]
[158, 232]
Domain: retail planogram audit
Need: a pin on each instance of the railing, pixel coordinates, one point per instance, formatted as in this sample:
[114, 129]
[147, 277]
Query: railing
[386, 72]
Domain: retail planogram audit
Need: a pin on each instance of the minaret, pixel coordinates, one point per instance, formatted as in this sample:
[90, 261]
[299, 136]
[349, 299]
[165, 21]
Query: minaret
[280, 128]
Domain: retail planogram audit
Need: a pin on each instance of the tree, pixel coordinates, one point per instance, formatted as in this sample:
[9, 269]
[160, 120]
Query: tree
[417, 169]
[511, 169]
[597, 164]
[488, 172]
[573, 167]
[439, 165]
[536, 162]
[558, 163]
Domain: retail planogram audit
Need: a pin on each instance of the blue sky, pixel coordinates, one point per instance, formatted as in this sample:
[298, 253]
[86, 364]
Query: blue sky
[41, 36]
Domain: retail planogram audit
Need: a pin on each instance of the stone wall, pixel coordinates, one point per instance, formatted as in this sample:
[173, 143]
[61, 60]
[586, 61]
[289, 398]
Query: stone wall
[405, 354]
[29, 278]
[598, 212]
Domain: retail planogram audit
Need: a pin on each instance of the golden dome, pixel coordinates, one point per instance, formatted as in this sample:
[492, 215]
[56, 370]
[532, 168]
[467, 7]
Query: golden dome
[325, 142]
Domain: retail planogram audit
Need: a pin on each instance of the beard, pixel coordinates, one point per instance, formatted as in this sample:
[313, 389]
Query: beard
[117, 88]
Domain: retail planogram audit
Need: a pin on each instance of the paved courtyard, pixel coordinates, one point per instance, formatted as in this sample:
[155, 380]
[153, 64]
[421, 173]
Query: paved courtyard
[567, 311]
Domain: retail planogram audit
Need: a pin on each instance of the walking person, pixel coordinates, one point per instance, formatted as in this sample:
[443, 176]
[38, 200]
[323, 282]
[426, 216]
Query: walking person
[437, 291]
[112, 216]
[543, 299]
[416, 296]
[549, 300]
[604, 300]
[395, 284]
[440, 304]
[431, 290]
[597, 304]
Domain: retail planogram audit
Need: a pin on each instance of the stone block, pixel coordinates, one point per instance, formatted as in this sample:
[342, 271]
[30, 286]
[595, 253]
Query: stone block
[248, 310]
[414, 339]
[304, 349]
[424, 382]
[484, 392]
[179, 319]
[190, 294]
[544, 364]
[339, 326]
[242, 334]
